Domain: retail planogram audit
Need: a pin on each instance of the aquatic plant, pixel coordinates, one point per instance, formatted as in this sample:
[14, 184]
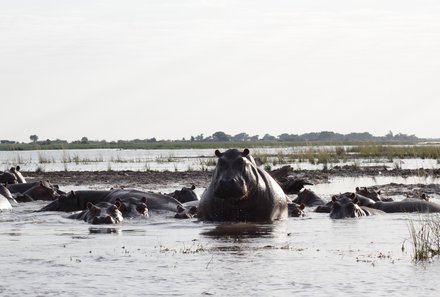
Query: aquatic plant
[43, 159]
[425, 237]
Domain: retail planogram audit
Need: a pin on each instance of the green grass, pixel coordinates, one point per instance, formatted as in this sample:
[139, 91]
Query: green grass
[314, 152]
[189, 144]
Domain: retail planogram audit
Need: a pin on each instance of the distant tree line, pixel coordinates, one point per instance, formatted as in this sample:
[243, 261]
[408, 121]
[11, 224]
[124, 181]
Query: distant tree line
[222, 136]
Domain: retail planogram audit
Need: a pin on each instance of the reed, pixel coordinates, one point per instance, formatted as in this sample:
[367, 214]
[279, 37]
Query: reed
[425, 237]
[43, 159]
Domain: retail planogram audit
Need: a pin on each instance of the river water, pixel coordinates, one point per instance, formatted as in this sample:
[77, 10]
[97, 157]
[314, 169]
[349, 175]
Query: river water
[46, 254]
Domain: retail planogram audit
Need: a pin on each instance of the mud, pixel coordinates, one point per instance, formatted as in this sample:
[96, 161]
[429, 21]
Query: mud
[162, 179]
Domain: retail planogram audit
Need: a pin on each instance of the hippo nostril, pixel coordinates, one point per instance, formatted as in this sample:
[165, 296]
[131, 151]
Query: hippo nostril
[108, 220]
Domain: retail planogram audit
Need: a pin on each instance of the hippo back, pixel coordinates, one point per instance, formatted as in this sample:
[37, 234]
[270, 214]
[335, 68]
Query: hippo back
[241, 191]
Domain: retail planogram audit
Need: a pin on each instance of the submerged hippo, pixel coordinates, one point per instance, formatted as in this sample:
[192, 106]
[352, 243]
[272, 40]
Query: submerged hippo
[308, 198]
[7, 177]
[345, 207]
[241, 191]
[185, 194]
[131, 207]
[134, 202]
[372, 194]
[41, 191]
[296, 210]
[294, 186]
[100, 213]
[407, 205]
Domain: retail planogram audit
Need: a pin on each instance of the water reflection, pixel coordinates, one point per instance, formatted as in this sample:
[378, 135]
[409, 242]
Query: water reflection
[95, 230]
[241, 230]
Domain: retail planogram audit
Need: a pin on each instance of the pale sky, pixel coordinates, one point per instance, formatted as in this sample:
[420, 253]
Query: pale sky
[175, 68]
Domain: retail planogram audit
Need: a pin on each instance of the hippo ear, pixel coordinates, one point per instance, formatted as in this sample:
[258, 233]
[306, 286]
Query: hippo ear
[89, 205]
[352, 196]
[379, 192]
[193, 187]
[218, 153]
[118, 204]
[144, 200]
[357, 189]
[302, 206]
[245, 152]
[355, 200]
[334, 198]
[17, 168]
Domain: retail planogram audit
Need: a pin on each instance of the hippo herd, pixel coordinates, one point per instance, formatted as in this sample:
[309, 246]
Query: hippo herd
[240, 190]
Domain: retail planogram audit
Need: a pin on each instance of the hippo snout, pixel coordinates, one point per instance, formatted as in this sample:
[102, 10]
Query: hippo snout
[103, 220]
[229, 188]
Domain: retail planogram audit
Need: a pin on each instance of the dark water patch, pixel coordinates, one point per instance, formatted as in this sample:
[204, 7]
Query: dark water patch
[94, 230]
[240, 230]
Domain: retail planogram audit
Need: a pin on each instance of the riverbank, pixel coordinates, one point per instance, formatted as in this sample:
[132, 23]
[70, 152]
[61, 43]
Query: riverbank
[163, 179]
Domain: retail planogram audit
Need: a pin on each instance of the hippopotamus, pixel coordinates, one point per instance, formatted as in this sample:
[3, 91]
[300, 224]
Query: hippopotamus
[372, 194]
[76, 200]
[241, 191]
[23, 187]
[185, 194]
[41, 191]
[360, 200]
[7, 194]
[188, 211]
[16, 171]
[7, 177]
[345, 207]
[407, 205]
[129, 199]
[154, 201]
[132, 207]
[308, 198]
[100, 213]
[294, 186]
[296, 210]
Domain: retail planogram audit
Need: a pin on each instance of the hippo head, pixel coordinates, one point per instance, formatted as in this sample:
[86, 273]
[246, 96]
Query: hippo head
[372, 194]
[133, 207]
[16, 171]
[344, 207]
[233, 175]
[296, 210]
[8, 178]
[185, 194]
[44, 191]
[186, 213]
[103, 213]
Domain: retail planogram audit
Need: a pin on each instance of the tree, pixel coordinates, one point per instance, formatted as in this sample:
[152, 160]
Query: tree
[268, 137]
[84, 140]
[221, 136]
[34, 138]
[240, 137]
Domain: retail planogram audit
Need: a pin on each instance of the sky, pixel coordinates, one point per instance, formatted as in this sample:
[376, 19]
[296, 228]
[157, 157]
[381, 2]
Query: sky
[173, 69]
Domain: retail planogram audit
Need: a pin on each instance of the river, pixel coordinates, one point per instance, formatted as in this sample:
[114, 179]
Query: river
[46, 254]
